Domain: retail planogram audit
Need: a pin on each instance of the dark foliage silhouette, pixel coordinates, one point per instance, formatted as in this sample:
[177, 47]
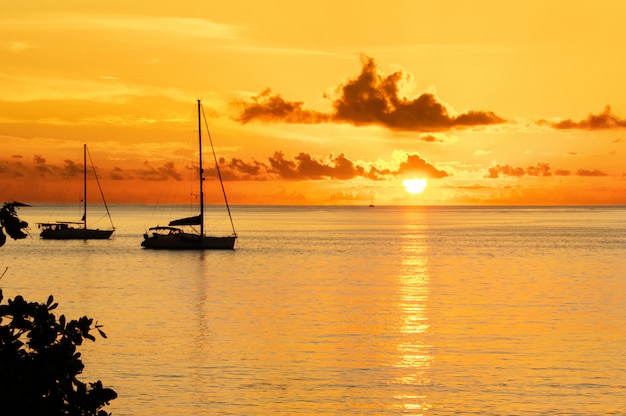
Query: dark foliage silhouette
[10, 222]
[39, 362]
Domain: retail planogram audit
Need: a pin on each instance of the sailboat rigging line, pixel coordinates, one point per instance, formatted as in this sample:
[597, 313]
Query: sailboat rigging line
[99, 187]
[217, 167]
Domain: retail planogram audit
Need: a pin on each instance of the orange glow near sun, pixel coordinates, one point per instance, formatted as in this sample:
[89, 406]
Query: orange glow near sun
[363, 121]
[414, 186]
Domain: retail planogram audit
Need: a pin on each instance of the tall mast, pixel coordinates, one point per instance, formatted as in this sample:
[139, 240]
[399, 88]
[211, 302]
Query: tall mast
[85, 186]
[201, 173]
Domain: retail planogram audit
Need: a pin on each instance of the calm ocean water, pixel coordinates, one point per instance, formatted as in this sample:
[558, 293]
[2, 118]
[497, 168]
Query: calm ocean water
[349, 311]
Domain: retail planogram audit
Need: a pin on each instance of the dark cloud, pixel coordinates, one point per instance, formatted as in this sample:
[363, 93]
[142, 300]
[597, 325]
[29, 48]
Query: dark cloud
[417, 166]
[505, 170]
[593, 172]
[43, 169]
[335, 168]
[430, 138]
[541, 169]
[604, 120]
[267, 107]
[367, 99]
[346, 169]
[118, 174]
[373, 99]
[286, 169]
[160, 173]
[12, 169]
[148, 172]
[299, 167]
[376, 174]
[71, 168]
[305, 166]
[237, 170]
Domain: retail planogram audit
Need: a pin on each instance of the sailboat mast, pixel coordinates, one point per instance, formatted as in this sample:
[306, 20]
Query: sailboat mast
[201, 173]
[85, 186]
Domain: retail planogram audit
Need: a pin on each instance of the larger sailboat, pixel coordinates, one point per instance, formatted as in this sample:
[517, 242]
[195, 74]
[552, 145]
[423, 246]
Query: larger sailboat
[174, 236]
[77, 230]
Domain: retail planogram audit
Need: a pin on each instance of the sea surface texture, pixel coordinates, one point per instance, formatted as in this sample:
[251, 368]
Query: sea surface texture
[348, 310]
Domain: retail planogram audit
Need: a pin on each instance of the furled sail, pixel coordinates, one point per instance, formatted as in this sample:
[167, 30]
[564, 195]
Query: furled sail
[187, 221]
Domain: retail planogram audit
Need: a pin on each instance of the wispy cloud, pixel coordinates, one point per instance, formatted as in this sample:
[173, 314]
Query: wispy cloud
[170, 26]
[16, 46]
[25, 88]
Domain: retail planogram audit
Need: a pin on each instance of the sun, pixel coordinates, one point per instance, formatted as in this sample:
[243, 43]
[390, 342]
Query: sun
[414, 186]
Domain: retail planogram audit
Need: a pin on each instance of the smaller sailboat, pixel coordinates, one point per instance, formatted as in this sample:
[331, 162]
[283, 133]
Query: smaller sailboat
[174, 237]
[77, 230]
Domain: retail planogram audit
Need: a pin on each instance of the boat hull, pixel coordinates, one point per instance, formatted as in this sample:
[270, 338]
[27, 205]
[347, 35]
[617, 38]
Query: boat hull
[188, 242]
[76, 234]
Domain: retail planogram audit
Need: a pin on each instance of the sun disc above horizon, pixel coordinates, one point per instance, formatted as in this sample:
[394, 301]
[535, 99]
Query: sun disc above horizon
[414, 186]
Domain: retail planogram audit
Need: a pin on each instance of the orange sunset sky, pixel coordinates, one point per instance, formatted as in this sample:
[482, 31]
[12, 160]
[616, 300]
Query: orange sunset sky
[325, 102]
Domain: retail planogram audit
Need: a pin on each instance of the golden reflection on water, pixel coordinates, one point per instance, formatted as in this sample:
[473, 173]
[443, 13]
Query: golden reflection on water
[414, 355]
[356, 312]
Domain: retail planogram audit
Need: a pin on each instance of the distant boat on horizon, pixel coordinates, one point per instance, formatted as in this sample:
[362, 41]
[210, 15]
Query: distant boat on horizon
[173, 237]
[78, 230]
